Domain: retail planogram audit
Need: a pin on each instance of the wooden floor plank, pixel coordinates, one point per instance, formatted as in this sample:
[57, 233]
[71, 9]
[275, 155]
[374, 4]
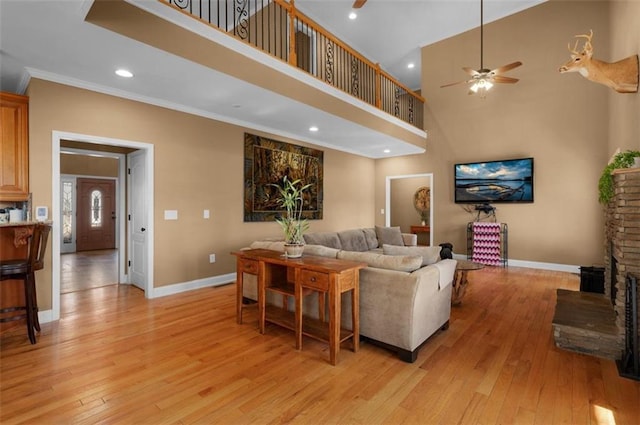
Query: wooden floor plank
[116, 357]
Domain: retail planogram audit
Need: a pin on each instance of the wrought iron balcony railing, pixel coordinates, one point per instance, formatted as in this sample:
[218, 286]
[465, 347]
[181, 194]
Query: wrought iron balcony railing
[278, 28]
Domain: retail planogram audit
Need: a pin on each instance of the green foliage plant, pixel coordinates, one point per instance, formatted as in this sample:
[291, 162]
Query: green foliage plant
[292, 223]
[605, 185]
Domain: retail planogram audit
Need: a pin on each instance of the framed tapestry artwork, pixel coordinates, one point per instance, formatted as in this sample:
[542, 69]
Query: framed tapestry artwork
[268, 162]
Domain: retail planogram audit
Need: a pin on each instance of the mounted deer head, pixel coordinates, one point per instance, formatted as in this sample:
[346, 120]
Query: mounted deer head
[622, 76]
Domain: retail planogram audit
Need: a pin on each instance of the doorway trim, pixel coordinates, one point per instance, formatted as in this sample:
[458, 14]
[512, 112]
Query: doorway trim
[56, 139]
[387, 205]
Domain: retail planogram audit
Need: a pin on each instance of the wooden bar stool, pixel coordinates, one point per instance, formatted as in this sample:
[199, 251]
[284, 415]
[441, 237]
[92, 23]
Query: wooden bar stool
[23, 269]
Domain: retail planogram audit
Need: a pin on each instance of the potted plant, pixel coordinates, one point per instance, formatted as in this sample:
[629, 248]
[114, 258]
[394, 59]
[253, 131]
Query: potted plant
[620, 160]
[292, 223]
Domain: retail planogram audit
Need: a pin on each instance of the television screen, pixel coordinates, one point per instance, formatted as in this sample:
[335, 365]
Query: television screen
[494, 181]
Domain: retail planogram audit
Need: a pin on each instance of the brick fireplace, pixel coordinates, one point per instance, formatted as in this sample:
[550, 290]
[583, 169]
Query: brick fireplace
[622, 240]
[596, 324]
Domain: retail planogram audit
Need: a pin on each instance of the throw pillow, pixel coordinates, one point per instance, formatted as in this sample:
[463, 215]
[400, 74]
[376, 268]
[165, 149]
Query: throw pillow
[353, 240]
[328, 239]
[370, 237]
[429, 254]
[389, 235]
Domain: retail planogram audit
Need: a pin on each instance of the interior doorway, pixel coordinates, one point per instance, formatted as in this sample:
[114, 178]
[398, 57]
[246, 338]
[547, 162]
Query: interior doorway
[85, 143]
[400, 210]
[90, 183]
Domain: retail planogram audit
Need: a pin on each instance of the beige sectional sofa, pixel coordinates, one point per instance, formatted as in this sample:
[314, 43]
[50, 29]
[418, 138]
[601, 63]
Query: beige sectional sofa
[405, 292]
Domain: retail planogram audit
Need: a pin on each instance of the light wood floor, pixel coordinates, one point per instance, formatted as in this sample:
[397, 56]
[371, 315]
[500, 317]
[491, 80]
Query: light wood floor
[115, 357]
[88, 269]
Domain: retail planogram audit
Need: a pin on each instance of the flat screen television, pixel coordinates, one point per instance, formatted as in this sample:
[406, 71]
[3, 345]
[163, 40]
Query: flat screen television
[509, 180]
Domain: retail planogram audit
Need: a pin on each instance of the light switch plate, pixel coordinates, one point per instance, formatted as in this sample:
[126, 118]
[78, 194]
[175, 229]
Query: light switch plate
[170, 214]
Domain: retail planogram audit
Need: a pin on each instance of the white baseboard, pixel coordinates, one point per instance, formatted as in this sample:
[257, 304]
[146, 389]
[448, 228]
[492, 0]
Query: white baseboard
[45, 316]
[534, 265]
[177, 288]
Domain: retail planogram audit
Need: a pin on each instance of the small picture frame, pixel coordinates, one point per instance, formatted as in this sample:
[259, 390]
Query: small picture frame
[42, 213]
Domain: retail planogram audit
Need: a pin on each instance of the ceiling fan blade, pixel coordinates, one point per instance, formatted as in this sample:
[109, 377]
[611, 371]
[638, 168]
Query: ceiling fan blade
[503, 79]
[470, 71]
[358, 4]
[506, 68]
[453, 84]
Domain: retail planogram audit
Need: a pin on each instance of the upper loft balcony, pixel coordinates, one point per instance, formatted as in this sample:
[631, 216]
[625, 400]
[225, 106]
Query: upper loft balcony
[278, 28]
[275, 69]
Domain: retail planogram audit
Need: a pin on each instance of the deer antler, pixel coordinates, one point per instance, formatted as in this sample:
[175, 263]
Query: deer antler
[587, 44]
[573, 51]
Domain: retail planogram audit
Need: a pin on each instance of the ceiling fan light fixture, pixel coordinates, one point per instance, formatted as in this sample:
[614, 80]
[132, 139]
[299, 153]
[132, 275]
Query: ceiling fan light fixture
[481, 85]
[353, 15]
[483, 79]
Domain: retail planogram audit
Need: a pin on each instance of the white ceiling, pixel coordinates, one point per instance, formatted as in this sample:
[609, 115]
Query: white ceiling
[50, 40]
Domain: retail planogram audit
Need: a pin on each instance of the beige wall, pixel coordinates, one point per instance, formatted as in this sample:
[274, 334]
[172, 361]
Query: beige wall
[198, 165]
[624, 109]
[560, 120]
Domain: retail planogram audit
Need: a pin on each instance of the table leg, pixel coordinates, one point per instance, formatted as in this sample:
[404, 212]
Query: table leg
[298, 313]
[239, 291]
[321, 306]
[261, 295]
[355, 312]
[334, 322]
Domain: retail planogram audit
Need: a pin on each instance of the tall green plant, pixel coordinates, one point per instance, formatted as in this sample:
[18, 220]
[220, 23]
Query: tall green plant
[605, 185]
[292, 223]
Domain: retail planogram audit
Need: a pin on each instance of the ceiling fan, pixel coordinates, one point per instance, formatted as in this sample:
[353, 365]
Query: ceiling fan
[482, 79]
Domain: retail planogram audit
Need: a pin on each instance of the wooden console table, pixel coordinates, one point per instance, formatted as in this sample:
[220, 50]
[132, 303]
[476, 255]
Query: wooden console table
[294, 276]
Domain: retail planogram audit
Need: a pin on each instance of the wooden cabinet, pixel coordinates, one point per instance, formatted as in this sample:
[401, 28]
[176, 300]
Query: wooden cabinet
[14, 147]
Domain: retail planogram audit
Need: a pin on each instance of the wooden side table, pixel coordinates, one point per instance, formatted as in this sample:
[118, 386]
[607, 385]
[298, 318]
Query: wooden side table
[417, 230]
[460, 280]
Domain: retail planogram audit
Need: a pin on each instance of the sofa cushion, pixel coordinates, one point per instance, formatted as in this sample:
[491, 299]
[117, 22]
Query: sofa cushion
[328, 239]
[353, 240]
[403, 263]
[320, 251]
[429, 254]
[389, 235]
[272, 245]
[371, 237]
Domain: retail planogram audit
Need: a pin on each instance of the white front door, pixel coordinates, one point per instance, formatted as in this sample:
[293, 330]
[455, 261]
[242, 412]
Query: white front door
[138, 226]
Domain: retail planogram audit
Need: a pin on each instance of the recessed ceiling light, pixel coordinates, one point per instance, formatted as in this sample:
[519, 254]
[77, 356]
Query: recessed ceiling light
[353, 15]
[124, 73]
[387, 151]
[313, 128]
[411, 65]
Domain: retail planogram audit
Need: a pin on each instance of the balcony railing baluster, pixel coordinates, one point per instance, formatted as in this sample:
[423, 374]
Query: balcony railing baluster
[278, 28]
